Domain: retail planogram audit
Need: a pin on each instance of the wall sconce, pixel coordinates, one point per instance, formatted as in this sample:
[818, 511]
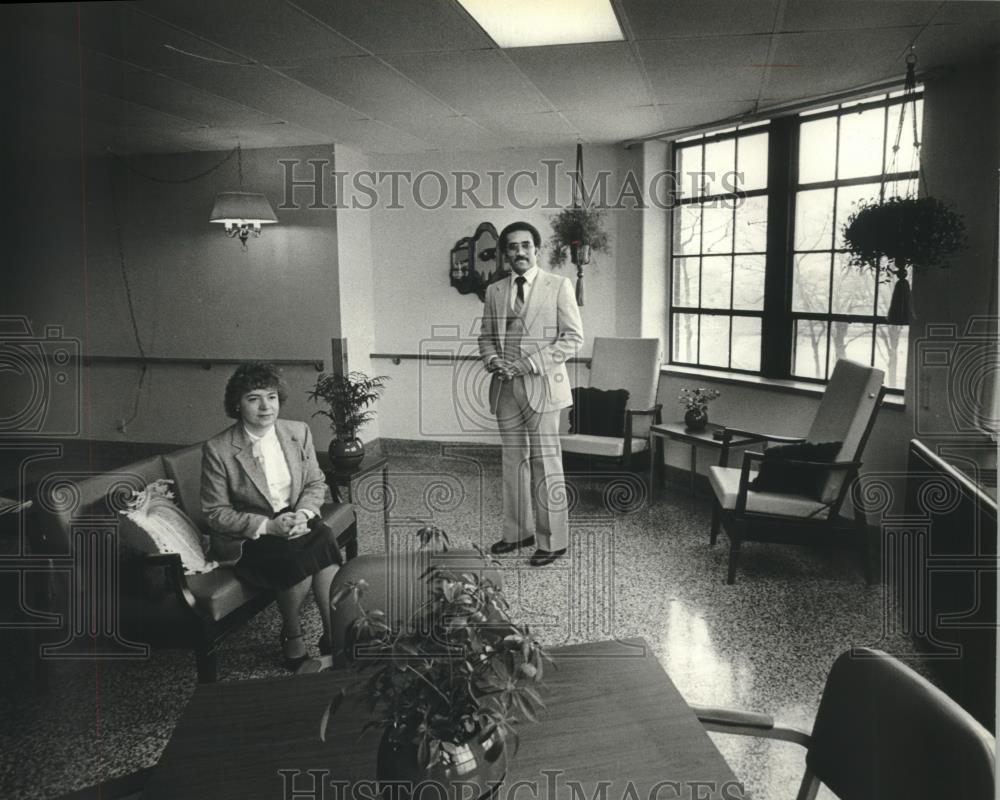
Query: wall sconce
[242, 213]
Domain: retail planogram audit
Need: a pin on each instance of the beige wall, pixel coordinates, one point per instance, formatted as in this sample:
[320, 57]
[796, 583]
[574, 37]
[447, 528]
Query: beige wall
[195, 292]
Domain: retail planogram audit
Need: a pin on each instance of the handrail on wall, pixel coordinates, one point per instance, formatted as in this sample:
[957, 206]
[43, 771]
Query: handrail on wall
[398, 358]
[204, 363]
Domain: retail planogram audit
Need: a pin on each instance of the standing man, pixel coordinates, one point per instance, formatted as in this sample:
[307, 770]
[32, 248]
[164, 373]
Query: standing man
[531, 326]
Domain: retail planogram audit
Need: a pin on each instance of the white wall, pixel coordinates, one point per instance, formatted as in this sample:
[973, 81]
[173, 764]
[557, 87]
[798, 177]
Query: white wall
[416, 309]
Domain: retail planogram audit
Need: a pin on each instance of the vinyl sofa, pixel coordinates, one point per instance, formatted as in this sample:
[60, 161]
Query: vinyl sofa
[159, 604]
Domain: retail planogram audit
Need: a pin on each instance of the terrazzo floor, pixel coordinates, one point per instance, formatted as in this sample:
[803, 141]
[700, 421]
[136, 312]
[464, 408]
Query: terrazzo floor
[764, 644]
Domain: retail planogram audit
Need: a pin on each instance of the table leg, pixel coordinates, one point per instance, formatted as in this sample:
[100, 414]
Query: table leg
[694, 465]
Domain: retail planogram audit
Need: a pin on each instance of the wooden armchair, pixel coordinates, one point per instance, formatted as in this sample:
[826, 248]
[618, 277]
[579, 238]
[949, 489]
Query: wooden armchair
[846, 415]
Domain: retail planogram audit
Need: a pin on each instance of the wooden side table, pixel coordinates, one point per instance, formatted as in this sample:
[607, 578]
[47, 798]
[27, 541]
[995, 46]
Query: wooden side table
[679, 432]
[373, 462]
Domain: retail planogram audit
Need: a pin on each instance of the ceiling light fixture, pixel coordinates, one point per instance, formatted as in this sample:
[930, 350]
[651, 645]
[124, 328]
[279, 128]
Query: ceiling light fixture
[242, 213]
[536, 23]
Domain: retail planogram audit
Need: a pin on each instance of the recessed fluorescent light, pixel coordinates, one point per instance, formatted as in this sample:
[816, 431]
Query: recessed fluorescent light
[535, 23]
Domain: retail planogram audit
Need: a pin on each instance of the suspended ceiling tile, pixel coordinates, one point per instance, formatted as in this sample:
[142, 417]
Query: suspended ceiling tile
[274, 94]
[372, 136]
[823, 15]
[725, 68]
[687, 115]
[584, 76]
[472, 81]
[656, 19]
[536, 124]
[390, 26]
[120, 31]
[369, 86]
[807, 64]
[273, 33]
[977, 11]
[610, 125]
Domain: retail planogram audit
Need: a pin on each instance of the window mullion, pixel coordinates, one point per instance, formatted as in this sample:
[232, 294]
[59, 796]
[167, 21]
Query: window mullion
[776, 335]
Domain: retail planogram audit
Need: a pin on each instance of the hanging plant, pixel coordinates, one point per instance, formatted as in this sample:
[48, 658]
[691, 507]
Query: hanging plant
[909, 232]
[576, 228]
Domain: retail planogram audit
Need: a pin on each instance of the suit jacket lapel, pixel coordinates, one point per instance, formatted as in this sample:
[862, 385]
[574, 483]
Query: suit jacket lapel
[292, 448]
[537, 299]
[251, 466]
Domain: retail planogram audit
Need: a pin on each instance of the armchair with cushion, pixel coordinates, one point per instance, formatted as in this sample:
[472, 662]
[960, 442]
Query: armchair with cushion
[610, 420]
[882, 732]
[798, 490]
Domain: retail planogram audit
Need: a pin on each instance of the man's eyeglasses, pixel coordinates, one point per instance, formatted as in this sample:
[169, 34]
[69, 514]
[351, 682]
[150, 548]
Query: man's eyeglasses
[513, 247]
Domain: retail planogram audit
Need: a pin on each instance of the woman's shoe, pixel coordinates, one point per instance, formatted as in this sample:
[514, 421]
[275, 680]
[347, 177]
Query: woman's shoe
[325, 649]
[292, 664]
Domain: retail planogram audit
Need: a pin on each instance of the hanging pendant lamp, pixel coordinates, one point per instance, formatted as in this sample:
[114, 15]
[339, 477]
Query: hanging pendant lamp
[242, 213]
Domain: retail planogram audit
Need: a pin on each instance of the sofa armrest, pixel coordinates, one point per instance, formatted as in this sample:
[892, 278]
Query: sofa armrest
[171, 563]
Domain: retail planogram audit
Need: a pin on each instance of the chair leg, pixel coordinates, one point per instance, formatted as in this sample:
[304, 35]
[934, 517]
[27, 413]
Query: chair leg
[861, 528]
[207, 666]
[716, 521]
[734, 556]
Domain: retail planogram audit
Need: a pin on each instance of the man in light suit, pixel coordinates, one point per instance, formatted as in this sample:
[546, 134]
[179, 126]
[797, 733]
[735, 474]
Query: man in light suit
[531, 327]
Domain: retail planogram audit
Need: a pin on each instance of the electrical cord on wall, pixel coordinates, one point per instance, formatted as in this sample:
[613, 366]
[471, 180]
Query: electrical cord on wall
[124, 422]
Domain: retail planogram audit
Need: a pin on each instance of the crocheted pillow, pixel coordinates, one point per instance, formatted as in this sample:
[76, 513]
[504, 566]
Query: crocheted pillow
[159, 526]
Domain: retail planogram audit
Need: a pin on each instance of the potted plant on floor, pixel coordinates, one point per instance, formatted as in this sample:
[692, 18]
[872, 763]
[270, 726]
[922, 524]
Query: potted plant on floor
[348, 398]
[446, 686]
[908, 232]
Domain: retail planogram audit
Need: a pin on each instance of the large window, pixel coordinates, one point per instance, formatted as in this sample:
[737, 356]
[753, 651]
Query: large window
[760, 280]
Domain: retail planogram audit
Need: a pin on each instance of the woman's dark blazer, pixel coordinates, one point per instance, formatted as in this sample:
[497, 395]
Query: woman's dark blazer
[234, 494]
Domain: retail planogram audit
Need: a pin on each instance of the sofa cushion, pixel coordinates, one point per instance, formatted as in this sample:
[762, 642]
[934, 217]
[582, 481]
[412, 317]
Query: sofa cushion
[184, 469]
[220, 592]
[154, 524]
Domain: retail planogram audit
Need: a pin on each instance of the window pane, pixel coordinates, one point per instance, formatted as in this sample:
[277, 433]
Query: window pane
[687, 230]
[717, 232]
[814, 219]
[751, 225]
[751, 161]
[848, 198]
[817, 146]
[906, 160]
[748, 283]
[811, 283]
[685, 338]
[861, 143]
[809, 349]
[688, 167]
[746, 343]
[890, 353]
[851, 340]
[716, 278]
[685, 282]
[720, 159]
[853, 289]
[714, 341]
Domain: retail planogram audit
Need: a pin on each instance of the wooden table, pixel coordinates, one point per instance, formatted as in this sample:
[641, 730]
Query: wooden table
[612, 715]
[372, 462]
[679, 432]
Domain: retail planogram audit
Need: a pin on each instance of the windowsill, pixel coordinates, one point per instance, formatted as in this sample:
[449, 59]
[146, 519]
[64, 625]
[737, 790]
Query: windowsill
[893, 401]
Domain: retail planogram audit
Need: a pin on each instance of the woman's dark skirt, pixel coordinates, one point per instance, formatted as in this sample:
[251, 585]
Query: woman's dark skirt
[271, 562]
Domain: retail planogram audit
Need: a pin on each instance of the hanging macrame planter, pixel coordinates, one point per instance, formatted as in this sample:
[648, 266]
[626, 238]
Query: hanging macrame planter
[577, 231]
[894, 234]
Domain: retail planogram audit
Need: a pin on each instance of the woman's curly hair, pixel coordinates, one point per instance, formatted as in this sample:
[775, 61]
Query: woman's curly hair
[249, 376]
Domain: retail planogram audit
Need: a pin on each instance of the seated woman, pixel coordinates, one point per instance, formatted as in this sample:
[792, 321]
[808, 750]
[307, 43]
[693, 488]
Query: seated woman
[261, 490]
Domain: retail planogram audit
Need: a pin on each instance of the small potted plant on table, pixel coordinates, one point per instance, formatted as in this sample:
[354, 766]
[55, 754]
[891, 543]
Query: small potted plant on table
[696, 402]
[447, 685]
[348, 398]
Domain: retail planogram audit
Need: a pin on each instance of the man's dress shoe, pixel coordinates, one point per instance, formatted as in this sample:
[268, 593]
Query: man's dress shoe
[542, 557]
[502, 547]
